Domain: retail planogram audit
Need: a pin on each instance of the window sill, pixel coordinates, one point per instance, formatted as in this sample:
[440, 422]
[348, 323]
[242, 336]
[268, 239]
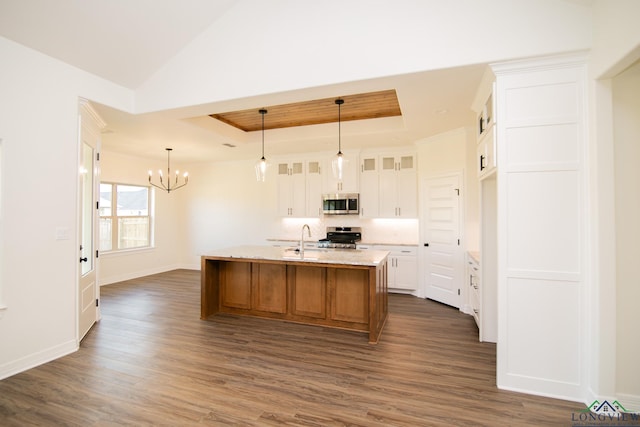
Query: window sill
[126, 252]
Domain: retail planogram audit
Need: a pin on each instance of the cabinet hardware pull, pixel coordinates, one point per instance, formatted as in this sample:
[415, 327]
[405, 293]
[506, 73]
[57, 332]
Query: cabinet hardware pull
[482, 166]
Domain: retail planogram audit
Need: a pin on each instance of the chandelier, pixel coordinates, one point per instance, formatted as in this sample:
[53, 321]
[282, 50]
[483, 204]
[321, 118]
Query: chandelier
[169, 187]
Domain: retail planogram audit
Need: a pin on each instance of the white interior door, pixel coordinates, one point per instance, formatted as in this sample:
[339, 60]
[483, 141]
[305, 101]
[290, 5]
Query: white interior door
[442, 252]
[88, 291]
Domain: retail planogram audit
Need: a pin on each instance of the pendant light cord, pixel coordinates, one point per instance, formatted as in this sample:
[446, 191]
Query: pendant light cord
[339, 130]
[263, 112]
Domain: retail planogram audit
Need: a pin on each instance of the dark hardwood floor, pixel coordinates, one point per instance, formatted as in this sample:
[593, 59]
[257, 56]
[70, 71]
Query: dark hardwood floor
[152, 361]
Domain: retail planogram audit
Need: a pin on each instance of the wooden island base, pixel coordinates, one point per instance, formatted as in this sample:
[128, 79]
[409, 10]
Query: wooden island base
[343, 296]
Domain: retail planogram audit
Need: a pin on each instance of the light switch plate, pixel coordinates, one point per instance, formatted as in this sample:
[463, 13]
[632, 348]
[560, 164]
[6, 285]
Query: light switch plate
[62, 233]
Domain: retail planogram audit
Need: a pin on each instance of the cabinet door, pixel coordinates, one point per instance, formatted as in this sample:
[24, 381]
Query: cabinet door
[284, 189]
[235, 285]
[291, 189]
[298, 190]
[487, 153]
[388, 186]
[406, 272]
[309, 291]
[269, 288]
[349, 294]
[369, 188]
[314, 188]
[407, 194]
[398, 186]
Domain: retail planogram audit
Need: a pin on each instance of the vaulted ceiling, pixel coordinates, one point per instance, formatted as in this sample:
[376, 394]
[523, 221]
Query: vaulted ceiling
[126, 42]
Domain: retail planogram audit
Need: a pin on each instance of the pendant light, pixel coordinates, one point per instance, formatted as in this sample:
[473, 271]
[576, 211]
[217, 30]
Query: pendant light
[167, 187]
[261, 166]
[338, 163]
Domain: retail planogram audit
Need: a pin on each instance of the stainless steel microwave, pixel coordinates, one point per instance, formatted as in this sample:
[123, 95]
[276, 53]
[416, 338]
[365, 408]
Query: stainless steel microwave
[341, 204]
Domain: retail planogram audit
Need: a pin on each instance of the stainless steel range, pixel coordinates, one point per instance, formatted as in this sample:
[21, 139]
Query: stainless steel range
[341, 238]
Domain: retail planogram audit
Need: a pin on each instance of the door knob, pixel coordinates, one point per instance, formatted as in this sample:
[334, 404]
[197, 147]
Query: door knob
[83, 259]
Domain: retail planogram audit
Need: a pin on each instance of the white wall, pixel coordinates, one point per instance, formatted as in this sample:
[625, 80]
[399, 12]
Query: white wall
[616, 36]
[626, 105]
[169, 228]
[616, 42]
[226, 206]
[455, 151]
[334, 41]
[39, 132]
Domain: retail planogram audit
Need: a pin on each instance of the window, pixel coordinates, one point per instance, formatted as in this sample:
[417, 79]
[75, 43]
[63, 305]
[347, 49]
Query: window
[125, 222]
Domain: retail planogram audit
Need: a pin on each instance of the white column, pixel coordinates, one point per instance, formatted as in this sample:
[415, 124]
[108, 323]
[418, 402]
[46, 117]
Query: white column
[542, 226]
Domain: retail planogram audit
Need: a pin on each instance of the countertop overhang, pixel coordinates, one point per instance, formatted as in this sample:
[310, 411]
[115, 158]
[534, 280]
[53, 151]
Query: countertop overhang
[314, 255]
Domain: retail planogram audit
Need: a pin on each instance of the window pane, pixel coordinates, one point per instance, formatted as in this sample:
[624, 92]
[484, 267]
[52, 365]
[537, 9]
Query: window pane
[105, 199]
[132, 200]
[133, 232]
[105, 234]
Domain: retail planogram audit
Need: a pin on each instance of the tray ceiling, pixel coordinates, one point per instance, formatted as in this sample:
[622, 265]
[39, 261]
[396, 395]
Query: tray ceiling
[361, 106]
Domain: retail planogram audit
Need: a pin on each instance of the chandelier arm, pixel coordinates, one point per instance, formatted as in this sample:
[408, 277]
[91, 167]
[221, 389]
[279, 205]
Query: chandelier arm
[163, 187]
[179, 186]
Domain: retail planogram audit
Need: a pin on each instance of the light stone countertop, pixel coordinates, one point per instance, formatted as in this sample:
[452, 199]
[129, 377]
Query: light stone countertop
[320, 256]
[296, 241]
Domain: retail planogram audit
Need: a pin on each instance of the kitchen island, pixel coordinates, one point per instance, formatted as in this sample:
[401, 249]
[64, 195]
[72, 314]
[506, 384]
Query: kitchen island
[327, 287]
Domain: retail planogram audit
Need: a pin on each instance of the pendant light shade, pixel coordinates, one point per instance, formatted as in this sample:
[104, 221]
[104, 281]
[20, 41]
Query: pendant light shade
[261, 166]
[339, 162]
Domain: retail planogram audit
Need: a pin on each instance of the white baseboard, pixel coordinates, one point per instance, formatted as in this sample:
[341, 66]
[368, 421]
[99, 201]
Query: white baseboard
[466, 309]
[37, 359]
[136, 274]
[191, 267]
[631, 402]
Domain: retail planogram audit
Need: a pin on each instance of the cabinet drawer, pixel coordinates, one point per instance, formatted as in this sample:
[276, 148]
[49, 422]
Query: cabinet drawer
[398, 250]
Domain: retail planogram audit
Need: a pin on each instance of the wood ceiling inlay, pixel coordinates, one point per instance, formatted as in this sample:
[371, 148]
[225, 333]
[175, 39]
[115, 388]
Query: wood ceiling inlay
[362, 106]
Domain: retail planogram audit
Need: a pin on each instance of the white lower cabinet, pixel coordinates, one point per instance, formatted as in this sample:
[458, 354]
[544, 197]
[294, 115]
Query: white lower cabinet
[473, 288]
[402, 266]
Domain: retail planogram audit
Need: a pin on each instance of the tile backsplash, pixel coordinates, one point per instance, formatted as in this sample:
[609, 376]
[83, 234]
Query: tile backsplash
[389, 231]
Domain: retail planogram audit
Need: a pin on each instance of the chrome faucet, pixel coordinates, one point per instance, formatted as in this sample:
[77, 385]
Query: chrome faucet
[302, 239]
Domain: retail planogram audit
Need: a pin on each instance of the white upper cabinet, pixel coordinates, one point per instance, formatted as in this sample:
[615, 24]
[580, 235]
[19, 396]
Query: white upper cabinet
[486, 158]
[349, 181]
[300, 187]
[314, 170]
[291, 188]
[369, 187]
[398, 186]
